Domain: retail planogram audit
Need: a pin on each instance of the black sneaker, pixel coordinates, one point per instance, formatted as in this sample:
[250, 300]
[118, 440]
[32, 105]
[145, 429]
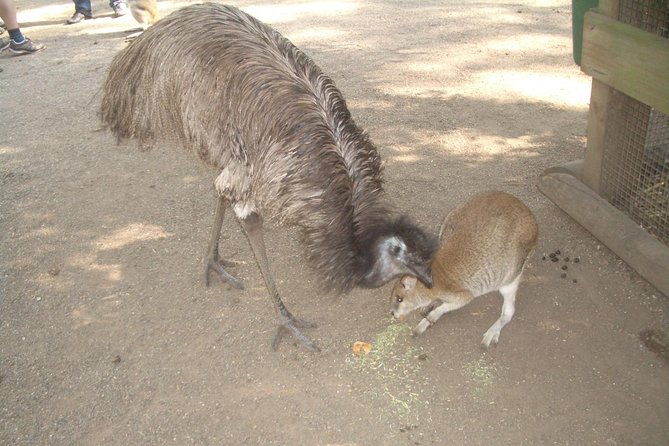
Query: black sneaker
[25, 47]
[77, 17]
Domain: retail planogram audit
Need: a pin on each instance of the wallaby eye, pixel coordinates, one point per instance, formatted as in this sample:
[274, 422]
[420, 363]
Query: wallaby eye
[399, 299]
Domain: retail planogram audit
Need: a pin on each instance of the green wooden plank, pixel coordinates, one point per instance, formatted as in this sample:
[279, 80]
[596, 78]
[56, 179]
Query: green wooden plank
[631, 60]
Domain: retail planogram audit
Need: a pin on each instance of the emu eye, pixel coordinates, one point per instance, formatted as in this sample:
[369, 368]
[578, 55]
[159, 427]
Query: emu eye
[400, 299]
[396, 250]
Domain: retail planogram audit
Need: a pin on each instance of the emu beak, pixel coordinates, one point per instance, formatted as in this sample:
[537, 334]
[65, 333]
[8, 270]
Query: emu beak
[424, 275]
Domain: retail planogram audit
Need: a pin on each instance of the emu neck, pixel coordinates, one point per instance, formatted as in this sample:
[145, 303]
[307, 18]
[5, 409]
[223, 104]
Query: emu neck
[335, 240]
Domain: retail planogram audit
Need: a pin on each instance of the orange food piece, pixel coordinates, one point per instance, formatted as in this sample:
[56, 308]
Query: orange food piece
[361, 348]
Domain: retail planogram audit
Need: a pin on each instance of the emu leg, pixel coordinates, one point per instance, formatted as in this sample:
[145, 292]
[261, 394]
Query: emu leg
[287, 322]
[212, 261]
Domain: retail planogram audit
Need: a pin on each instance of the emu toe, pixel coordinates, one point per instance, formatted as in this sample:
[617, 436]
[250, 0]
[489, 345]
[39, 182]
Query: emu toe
[292, 326]
[217, 266]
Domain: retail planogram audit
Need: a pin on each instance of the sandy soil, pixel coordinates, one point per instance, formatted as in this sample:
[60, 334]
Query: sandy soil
[108, 336]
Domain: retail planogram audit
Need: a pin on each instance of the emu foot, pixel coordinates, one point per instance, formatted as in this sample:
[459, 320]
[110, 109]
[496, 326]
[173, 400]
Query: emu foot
[216, 265]
[289, 324]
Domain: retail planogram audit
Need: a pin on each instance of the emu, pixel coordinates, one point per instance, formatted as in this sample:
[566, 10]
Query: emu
[284, 144]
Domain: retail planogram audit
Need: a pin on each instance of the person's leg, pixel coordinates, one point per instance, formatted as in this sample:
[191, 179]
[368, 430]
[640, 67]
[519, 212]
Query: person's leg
[8, 14]
[84, 7]
[17, 42]
[82, 10]
[120, 7]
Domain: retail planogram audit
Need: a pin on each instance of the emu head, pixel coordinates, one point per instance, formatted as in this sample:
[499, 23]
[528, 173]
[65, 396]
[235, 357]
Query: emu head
[396, 249]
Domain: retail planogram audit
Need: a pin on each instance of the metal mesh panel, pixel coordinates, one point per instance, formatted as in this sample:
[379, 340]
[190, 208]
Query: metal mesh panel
[649, 15]
[635, 167]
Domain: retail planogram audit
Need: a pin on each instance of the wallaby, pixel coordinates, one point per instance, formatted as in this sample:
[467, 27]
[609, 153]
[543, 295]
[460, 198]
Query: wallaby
[484, 245]
[145, 13]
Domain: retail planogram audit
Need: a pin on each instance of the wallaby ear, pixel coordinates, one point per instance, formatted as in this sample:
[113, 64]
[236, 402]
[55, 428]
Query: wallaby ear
[408, 282]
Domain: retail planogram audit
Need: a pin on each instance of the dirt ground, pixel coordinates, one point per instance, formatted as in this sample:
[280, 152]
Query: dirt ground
[108, 335]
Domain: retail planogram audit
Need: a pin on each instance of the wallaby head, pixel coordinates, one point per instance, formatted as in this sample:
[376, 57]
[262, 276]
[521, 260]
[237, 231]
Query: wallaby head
[408, 295]
[399, 248]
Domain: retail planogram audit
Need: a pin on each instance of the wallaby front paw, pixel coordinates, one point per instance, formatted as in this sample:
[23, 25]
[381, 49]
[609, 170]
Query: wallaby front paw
[421, 327]
[490, 337]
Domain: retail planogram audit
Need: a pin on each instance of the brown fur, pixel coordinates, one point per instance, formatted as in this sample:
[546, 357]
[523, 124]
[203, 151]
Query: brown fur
[144, 11]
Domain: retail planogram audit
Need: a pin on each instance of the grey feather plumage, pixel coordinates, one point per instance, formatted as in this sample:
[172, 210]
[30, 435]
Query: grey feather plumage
[258, 109]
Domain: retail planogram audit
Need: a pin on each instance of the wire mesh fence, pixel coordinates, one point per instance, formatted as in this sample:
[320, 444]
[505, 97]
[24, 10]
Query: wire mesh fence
[635, 167]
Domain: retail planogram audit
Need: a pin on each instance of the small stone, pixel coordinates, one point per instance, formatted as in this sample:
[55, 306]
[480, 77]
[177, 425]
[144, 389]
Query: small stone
[575, 281]
[554, 259]
[563, 275]
[566, 259]
[564, 267]
[543, 257]
[116, 359]
[53, 272]
[576, 260]
[422, 356]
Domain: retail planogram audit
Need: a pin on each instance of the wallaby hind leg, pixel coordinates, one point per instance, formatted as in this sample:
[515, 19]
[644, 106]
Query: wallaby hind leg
[508, 309]
[455, 301]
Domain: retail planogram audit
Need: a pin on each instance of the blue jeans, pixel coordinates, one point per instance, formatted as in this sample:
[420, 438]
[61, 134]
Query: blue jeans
[84, 6]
